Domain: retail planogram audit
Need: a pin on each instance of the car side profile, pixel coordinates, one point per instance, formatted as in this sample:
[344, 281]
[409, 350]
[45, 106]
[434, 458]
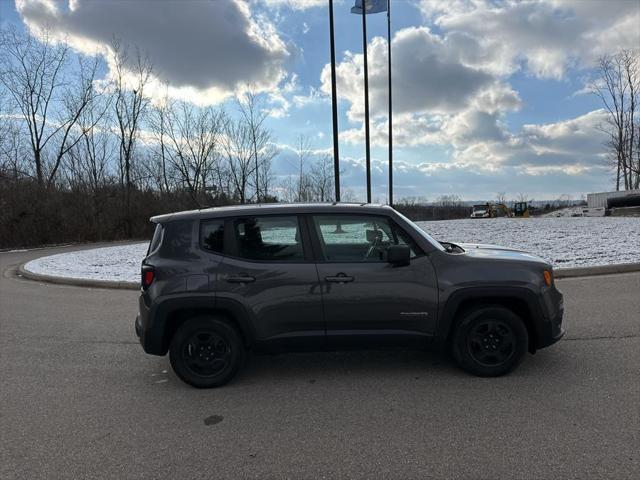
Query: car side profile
[276, 278]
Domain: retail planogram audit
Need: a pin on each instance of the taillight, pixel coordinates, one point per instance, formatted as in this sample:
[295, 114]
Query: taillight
[148, 276]
[548, 278]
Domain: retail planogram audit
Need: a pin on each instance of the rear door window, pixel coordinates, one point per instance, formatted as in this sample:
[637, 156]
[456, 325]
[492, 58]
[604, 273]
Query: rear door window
[269, 238]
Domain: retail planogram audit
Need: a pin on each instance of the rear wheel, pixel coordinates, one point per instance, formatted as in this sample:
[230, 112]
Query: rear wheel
[489, 341]
[206, 352]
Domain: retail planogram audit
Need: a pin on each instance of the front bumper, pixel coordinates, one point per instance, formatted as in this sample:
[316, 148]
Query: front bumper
[551, 329]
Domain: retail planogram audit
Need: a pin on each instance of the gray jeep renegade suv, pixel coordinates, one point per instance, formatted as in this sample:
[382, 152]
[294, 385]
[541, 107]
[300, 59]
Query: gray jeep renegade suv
[217, 282]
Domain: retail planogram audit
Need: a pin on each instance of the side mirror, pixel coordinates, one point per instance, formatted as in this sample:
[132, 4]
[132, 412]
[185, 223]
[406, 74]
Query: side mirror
[399, 255]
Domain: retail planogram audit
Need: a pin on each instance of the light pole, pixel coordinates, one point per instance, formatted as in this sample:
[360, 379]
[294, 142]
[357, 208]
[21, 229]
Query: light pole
[390, 103]
[365, 7]
[366, 104]
[334, 107]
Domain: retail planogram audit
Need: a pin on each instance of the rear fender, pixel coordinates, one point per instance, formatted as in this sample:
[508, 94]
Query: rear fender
[170, 312]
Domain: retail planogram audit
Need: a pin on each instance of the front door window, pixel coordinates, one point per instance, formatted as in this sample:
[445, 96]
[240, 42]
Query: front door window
[347, 238]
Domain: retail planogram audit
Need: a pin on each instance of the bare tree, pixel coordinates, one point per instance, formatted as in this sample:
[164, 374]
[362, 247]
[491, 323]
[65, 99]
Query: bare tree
[501, 198]
[449, 201]
[13, 150]
[48, 99]
[322, 178]
[131, 78]
[564, 200]
[254, 115]
[237, 147]
[157, 158]
[303, 184]
[618, 89]
[266, 176]
[189, 137]
[524, 197]
[10, 142]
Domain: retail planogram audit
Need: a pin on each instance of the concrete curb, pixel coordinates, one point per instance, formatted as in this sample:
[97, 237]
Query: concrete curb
[598, 270]
[81, 282]
[77, 282]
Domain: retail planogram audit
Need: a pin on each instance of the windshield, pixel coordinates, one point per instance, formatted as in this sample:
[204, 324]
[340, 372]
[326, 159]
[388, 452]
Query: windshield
[422, 233]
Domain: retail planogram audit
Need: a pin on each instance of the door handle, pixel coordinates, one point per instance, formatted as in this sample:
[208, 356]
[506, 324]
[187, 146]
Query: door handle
[241, 279]
[339, 278]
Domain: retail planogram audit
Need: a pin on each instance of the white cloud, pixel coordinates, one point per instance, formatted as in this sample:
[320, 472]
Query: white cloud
[295, 4]
[470, 182]
[408, 130]
[573, 145]
[544, 160]
[205, 51]
[544, 36]
[451, 82]
[427, 76]
[314, 96]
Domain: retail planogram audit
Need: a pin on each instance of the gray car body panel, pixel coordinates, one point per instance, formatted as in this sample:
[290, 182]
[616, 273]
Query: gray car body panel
[289, 306]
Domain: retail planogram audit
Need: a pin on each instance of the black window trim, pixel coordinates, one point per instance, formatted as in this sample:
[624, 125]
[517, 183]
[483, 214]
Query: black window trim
[317, 243]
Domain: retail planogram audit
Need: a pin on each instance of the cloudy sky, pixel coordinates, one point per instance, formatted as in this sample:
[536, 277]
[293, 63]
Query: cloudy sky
[489, 96]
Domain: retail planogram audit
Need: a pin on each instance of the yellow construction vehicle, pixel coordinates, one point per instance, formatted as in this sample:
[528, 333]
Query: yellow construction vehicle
[521, 209]
[501, 210]
[491, 210]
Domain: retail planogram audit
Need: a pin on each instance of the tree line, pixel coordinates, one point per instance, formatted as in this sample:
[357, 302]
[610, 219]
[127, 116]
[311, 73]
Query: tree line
[86, 158]
[89, 157]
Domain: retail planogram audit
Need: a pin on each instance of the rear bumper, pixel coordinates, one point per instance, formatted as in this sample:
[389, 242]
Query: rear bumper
[149, 337]
[138, 327]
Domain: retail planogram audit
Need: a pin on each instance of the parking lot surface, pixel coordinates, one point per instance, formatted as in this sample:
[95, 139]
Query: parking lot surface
[80, 399]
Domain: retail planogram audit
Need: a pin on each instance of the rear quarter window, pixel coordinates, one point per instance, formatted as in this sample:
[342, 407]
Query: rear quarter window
[155, 240]
[176, 239]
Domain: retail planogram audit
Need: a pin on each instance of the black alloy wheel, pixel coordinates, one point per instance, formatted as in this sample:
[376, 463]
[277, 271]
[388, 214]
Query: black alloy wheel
[206, 351]
[489, 340]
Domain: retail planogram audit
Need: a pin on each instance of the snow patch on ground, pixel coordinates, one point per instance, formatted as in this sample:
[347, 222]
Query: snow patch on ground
[113, 264]
[565, 242]
[565, 212]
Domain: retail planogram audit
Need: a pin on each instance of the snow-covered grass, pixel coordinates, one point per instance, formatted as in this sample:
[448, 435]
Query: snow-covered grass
[566, 242]
[566, 212]
[114, 264]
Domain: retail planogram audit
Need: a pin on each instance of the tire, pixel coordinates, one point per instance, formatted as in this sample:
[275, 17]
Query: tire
[206, 352]
[489, 341]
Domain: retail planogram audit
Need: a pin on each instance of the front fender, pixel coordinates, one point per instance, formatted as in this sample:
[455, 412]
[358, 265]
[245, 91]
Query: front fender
[453, 301]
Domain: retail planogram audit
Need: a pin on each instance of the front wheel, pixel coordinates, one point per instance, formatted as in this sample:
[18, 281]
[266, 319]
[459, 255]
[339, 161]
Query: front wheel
[206, 352]
[490, 341]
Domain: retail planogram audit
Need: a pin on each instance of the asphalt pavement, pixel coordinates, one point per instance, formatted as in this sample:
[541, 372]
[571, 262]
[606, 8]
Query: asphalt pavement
[80, 399]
